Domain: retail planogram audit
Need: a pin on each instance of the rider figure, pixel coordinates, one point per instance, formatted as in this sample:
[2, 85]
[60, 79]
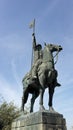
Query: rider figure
[37, 61]
[37, 57]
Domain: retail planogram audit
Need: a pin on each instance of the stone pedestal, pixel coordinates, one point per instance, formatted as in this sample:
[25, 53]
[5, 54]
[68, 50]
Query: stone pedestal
[41, 120]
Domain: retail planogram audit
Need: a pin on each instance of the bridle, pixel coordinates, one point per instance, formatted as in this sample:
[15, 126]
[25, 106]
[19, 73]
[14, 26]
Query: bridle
[56, 55]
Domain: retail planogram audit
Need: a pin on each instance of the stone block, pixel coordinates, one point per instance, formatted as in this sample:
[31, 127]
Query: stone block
[40, 120]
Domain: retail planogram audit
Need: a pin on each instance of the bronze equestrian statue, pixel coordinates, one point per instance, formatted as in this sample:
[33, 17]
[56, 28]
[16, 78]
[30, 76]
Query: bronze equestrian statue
[42, 74]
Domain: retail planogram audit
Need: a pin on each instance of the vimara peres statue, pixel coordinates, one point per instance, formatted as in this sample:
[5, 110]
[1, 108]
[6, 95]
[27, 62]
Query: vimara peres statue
[42, 74]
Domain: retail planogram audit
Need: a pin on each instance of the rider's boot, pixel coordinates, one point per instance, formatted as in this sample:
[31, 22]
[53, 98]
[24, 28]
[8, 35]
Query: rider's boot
[57, 84]
[34, 77]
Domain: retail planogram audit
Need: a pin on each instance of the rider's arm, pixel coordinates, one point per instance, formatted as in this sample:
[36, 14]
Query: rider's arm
[34, 41]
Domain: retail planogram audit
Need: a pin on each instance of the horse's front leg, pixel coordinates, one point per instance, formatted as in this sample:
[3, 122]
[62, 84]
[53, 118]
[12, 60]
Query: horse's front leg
[41, 99]
[51, 92]
[42, 89]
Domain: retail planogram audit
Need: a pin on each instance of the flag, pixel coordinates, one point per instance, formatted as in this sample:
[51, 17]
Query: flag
[32, 24]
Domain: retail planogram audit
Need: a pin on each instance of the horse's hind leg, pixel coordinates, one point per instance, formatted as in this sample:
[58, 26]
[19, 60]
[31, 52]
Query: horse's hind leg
[34, 96]
[24, 99]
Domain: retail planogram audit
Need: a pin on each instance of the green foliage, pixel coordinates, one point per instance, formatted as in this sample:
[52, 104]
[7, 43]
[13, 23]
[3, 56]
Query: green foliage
[8, 112]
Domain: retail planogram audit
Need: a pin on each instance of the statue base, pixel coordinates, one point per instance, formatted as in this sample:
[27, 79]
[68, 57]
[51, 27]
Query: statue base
[41, 120]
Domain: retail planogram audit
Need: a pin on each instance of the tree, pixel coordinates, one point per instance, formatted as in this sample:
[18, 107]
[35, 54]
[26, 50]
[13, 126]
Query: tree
[8, 112]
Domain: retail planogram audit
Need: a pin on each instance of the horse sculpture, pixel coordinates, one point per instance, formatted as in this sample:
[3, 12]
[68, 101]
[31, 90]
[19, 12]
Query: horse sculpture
[46, 78]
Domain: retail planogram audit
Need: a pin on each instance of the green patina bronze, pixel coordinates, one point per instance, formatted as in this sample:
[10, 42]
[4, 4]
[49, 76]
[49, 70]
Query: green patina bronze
[42, 74]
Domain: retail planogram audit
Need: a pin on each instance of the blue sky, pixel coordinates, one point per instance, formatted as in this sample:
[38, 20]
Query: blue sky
[54, 24]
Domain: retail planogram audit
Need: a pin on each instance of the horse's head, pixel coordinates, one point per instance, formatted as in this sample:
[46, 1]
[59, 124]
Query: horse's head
[53, 47]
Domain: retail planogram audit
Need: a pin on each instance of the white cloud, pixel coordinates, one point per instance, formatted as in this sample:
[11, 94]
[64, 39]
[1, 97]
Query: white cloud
[11, 43]
[15, 74]
[8, 92]
[48, 9]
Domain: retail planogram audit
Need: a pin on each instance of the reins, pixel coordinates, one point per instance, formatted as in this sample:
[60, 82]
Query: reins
[56, 55]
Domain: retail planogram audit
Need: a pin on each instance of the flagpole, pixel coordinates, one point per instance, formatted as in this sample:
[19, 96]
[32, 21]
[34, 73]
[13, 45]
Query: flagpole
[32, 25]
[32, 43]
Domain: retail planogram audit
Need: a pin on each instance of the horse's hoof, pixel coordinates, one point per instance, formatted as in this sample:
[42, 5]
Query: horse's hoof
[51, 110]
[42, 108]
[22, 109]
[31, 111]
